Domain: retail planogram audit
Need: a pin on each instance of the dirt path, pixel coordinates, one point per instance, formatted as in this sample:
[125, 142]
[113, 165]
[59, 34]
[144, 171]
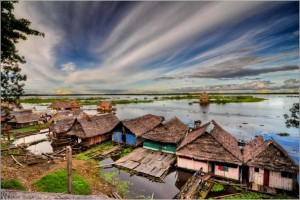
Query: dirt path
[28, 175]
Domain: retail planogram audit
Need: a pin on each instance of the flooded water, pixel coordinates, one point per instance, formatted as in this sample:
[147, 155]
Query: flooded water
[139, 185]
[243, 120]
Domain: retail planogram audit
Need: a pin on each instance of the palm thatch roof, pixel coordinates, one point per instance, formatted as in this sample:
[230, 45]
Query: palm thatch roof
[64, 104]
[141, 125]
[268, 154]
[63, 125]
[24, 116]
[211, 143]
[93, 126]
[171, 131]
[68, 114]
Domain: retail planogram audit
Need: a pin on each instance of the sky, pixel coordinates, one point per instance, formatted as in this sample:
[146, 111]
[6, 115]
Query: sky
[161, 47]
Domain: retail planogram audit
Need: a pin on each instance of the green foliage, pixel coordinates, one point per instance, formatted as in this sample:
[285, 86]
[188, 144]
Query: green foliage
[293, 120]
[283, 134]
[128, 101]
[237, 188]
[57, 183]
[217, 187]
[121, 186]
[123, 152]
[96, 150]
[82, 157]
[12, 31]
[12, 184]
[30, 128]
[234, 99]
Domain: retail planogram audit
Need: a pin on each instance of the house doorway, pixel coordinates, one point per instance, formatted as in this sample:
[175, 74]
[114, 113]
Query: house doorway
[266, 177]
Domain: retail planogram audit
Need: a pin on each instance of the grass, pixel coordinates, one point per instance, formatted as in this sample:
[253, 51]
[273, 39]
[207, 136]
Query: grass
[217, 187]
[96, 150]
[123, 152]
[283, 134]
[83, 101]
[250, 195]
[57, 182]
[121, 186]
[234, 99]
[12, 184]
[30, 128]
[129, 101]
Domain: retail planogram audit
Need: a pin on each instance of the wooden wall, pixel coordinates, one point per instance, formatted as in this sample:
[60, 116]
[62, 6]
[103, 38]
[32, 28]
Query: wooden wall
[256, 177]
[277, 181]
[188, 163]
[232, 172]
[96, 139]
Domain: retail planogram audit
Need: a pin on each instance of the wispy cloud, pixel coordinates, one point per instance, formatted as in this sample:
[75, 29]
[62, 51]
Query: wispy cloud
[126, 46]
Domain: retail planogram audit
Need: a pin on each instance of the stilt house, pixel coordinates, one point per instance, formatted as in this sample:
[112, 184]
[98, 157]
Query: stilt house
[88, 130]
[67, 114]
[204, 98]
[65, 105]
[166, 137]
[213, 149]
[23, 118]
[269, 164]
[133, 129]
[106, 106]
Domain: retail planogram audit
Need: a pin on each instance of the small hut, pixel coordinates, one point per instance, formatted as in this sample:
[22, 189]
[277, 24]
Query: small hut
[269, 164]
[204, 98]
[23, 118]
[65, 105]
[106, 106]
[67, 114]
[88, 130]
[133, 129]
[166, 137]
[213, 149]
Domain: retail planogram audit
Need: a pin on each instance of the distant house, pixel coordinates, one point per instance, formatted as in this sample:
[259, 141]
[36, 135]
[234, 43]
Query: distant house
[269, 164]
[23, 118]
[65, 105]
[165, 137]
[213, 149]
[67, 114]
[89, 130]
[204, 98]
[106, 106]
[133, 129]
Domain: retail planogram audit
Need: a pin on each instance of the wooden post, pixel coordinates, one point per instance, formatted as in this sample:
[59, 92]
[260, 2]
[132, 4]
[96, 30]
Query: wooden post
[69, 168]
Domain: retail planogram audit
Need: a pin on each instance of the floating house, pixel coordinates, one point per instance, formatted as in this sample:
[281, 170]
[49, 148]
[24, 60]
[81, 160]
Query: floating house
[165, 137]
[88, 130]
[213, 149]
[65, 105]
[106, 106]
[204, 98]
[67, 114]
[23, 118]
[133, 129]
[269, 164]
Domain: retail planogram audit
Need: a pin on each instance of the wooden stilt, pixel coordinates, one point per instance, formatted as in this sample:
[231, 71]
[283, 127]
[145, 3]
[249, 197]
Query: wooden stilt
[69, 168]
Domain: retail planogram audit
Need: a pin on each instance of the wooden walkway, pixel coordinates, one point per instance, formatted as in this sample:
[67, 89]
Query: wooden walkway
[196, 187]
[147, 162]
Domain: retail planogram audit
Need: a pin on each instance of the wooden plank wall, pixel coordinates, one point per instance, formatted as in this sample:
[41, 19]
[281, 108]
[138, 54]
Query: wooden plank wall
[277, 181]
[187, 163]
[256, 177]
[232, 173]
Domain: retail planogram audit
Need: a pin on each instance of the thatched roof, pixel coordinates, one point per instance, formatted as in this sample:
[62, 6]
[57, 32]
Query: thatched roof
[211, 143]
[63, 125]
[68, 114]
[64, 104]
[268, 154]
[141, 125]
[24, 116]
[106, 103]
[171, 131]
[93, 126]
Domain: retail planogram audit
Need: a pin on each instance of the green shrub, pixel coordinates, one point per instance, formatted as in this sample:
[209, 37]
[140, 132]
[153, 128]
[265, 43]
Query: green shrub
[283, 134]
[217, 187]
[57, 182]
[12, 184]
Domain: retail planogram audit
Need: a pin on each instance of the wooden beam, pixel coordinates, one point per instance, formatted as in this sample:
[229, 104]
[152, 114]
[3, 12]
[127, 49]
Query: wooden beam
[69, 168]
[17, 161]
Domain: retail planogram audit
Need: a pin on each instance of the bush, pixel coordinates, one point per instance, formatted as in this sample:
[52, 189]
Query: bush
[217, 187]
[12, 184]
[57, 182]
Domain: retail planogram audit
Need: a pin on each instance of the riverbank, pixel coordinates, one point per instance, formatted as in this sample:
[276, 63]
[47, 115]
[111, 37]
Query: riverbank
[150, 99]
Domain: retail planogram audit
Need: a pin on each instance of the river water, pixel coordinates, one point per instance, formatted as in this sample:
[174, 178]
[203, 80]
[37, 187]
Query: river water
[243, 120]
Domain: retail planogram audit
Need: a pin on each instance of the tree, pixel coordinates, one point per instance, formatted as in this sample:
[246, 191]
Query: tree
[293, 120]
[12, 30]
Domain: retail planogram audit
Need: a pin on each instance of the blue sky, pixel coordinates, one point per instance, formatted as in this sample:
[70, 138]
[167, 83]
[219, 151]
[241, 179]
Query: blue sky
[158, 47]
